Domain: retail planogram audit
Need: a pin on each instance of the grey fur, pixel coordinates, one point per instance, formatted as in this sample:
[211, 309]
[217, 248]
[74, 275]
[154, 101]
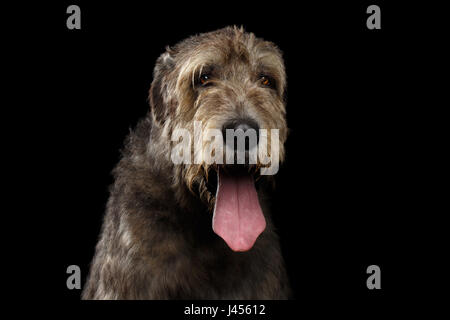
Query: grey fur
[157, 241]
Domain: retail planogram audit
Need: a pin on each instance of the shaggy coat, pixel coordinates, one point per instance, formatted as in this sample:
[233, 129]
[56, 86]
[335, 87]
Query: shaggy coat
[156, 240]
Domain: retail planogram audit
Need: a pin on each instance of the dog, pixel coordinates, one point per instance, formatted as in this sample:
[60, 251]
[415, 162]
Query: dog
[156, 240]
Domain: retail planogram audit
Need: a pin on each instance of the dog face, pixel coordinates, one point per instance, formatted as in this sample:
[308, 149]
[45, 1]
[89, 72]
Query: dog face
[226, 79]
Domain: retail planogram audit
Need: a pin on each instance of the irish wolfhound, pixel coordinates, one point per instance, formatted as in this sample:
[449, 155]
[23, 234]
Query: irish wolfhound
[157, 241]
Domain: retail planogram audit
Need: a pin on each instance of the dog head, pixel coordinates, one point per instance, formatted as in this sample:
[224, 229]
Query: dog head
[206, 91]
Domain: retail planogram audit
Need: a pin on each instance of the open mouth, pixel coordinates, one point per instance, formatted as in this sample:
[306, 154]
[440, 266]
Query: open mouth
[238, 218]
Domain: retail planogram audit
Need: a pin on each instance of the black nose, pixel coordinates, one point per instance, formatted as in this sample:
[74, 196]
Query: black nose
[244, 125]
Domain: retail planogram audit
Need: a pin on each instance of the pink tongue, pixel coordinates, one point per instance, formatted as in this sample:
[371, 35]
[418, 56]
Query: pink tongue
[238, 218]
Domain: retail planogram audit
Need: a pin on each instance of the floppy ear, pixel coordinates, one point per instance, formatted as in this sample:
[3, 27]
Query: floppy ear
[158, 103]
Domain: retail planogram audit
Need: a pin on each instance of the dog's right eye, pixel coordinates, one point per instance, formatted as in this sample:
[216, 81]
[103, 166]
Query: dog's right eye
[204, 78]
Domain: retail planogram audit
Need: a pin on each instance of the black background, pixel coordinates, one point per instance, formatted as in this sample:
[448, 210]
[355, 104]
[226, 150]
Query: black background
[348, 195]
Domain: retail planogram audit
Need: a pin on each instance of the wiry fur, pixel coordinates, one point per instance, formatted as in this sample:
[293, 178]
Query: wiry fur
[156, 240]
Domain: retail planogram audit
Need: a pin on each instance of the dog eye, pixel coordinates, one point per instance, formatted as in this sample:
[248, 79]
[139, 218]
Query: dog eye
[204, 78]
[266, 81]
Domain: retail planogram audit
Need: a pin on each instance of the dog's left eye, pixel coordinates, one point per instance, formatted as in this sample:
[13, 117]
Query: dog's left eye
[266, 81]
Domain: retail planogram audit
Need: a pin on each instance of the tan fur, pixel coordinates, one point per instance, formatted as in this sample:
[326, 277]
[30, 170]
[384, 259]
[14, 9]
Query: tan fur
[235, 92]
[157, 241]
